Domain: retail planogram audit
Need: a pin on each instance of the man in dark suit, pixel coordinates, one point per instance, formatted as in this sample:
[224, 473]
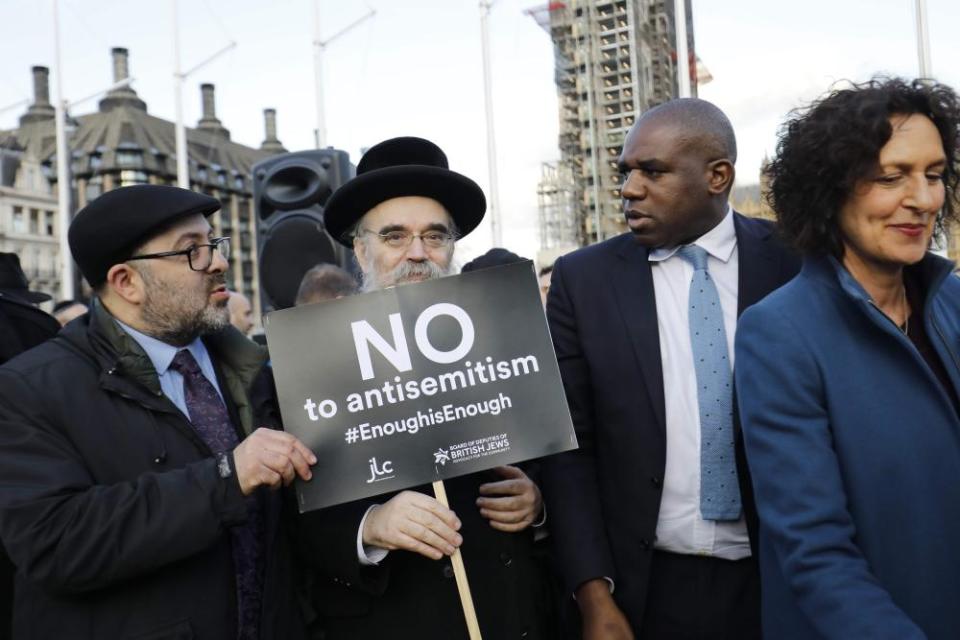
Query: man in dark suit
[648, 520]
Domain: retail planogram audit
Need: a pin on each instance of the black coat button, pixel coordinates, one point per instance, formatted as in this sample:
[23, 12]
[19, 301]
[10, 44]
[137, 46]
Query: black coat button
[506, 559]
[447, 571]
[655, 481]
[645, 544]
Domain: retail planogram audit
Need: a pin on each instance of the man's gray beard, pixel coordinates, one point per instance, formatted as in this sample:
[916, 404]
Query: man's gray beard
[403, 273]
[169, 315]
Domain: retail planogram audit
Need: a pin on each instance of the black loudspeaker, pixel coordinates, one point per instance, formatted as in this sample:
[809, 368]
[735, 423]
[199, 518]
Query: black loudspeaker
[289, 193]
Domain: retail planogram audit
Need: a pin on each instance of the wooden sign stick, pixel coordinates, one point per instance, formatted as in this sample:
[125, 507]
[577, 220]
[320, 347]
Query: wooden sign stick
[460, 573]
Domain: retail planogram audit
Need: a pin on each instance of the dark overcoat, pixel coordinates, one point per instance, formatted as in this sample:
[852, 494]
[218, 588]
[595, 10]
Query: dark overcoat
[22, 327]
[112, 507]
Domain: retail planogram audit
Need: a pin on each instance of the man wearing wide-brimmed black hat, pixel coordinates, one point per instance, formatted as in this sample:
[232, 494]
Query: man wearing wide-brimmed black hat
[135, 479]
[403, 212]
[22, 327]
[22, 324]
[382, 565]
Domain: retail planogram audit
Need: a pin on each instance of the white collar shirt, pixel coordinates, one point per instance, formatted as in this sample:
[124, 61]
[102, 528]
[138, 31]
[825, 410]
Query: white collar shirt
[680, 529]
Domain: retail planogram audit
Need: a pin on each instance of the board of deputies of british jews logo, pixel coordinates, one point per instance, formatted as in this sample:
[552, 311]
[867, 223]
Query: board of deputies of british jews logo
[402, 387]
[473, 449]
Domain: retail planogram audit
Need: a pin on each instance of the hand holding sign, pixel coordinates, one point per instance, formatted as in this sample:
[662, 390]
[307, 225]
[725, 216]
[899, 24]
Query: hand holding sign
[513, 504]
[414, 522]
[271, 458]
[420, 383]
[397, 388]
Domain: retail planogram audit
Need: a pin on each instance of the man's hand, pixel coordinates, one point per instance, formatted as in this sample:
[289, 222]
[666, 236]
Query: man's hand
[271, 458]
[414, 522]
[512, 504]
[602, 619]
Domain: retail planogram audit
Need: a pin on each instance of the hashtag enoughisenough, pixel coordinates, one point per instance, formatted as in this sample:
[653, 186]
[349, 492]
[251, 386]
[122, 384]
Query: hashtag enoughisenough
[351, 435]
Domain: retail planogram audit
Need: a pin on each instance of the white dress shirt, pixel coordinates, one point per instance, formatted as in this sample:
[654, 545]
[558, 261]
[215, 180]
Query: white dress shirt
[368, 555]
[680, 529]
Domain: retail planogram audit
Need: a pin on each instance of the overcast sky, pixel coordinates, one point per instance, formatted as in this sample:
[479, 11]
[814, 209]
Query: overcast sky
[415, 69]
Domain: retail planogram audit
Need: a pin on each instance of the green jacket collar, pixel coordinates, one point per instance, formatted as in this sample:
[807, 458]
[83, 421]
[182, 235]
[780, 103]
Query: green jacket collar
[240, 359]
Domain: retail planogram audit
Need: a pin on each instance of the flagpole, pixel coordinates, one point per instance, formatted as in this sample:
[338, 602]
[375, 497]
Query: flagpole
[683, 54]
[319, 47]
[67, 286]
[496, 230]
[180, 130]
[923, 40]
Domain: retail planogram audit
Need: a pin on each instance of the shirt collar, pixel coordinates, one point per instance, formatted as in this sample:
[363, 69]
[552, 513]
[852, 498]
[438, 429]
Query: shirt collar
[159, 352]
[719, 242]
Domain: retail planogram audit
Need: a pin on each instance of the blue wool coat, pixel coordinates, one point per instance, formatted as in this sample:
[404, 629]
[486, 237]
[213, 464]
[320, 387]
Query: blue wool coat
[854, 450]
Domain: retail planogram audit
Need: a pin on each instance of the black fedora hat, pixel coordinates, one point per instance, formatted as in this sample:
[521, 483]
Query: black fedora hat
[404, 167]
[13, 282]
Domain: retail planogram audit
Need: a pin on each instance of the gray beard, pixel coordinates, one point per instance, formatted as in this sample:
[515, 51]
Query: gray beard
[177, 318]
[404, 273]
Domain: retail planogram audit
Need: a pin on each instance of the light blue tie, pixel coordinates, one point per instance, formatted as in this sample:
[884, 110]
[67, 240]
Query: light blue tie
[719, 490]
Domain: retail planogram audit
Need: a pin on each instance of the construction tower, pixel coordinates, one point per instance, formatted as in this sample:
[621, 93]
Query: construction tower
[614, 60]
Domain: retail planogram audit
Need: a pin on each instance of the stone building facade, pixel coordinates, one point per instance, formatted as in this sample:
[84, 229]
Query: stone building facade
[117, 145]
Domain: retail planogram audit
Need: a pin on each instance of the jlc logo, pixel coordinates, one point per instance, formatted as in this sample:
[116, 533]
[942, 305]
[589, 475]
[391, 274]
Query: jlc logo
[378, 473]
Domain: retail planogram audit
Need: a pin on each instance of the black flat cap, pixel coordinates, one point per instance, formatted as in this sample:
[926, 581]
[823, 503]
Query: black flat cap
[403, 167]
[107, 230]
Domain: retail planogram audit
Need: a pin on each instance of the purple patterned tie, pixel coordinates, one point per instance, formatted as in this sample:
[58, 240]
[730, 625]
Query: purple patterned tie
[211, 421]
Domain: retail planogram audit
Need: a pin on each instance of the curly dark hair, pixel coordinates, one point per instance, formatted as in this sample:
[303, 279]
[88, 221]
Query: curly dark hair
[824, 149]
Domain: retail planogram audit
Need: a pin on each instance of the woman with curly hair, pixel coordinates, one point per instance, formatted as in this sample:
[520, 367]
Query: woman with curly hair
[848, 377]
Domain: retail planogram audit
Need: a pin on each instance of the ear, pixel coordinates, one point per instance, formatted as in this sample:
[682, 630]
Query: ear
[720, 175]
[360, 251]
[125, 282]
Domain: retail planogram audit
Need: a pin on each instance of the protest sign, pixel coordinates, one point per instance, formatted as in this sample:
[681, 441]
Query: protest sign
[418, 383]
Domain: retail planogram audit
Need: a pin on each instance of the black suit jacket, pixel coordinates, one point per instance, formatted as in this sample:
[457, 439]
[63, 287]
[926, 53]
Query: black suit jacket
[604, 498]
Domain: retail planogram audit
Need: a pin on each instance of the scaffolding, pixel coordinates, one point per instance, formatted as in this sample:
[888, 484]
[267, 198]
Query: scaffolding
[556, 202]
[614, 59]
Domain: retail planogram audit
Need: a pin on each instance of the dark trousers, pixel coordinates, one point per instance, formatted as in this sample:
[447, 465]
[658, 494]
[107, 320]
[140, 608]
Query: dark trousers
[701, 598]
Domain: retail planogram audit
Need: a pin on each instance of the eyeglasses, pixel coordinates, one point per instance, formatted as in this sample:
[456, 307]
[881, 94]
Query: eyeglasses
[199, 256]
[402, 239]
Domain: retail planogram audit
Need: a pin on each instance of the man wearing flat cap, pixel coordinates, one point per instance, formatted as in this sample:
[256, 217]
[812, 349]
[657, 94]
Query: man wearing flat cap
[135, 498]
[382, 566]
